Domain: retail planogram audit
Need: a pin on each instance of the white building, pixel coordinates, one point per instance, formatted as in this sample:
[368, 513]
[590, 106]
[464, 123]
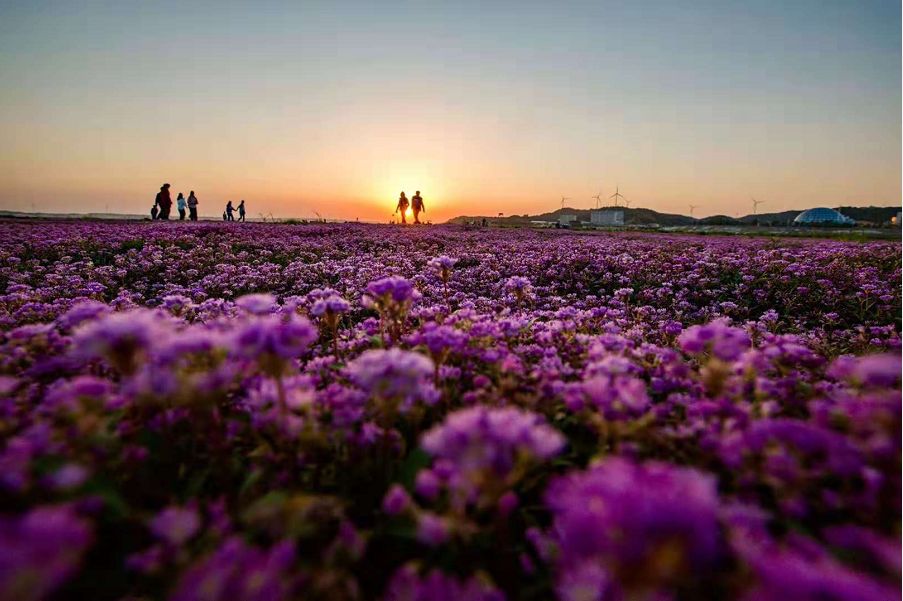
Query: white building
[566, 219]
[607, 217]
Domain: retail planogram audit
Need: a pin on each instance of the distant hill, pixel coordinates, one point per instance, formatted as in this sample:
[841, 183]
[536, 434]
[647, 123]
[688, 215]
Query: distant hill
[639, 216]
[782, 218]
[631, 217]
[719, 220]
[872, 214]
[877, 215]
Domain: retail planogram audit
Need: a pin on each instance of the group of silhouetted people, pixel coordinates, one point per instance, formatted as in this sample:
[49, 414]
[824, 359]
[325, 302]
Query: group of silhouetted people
[416, 205]
[228, 213]
[163, 206]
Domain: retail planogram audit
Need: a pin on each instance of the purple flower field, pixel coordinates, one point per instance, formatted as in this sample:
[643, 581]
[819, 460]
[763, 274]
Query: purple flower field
[210, 412]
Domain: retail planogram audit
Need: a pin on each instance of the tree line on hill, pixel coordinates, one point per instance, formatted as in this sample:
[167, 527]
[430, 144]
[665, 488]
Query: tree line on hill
[640, 216]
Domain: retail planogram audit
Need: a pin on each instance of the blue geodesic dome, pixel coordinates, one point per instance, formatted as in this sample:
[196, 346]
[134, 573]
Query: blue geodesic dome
[822, 216]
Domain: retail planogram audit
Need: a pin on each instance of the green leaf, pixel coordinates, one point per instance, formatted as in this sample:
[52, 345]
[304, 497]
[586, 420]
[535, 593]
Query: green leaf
[416, 461]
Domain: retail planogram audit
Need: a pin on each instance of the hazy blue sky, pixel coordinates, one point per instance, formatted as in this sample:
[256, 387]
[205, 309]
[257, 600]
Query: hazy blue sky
[484, 106]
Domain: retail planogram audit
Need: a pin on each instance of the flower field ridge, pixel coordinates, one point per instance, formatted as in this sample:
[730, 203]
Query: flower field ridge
[342, 412]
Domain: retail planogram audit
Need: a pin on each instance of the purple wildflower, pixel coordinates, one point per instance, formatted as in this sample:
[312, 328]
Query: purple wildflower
[238, 571]
[432, 530]
[257, 304]
[81, 312]
[175, 525]
[621, 516]
[396, 500]
[276, 336]
[408, 585]
[119, 338]
[390, 290]
[718, 338]
[394, 374]
[485, 448]
[331, 305]
[40, 551]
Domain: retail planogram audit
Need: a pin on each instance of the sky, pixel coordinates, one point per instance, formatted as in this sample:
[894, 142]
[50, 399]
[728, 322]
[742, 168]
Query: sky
[485, 107]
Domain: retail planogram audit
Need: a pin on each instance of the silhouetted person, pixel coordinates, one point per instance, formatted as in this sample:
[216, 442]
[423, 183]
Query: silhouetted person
[417, 206]
[192, 206]
[402, 206]
[241, 211]
[165, 201]
[180, 205]
[229, 210]
[154, 211]
[485, 223]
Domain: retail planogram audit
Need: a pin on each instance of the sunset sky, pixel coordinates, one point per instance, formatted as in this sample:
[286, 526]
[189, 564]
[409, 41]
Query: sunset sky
[485, 107]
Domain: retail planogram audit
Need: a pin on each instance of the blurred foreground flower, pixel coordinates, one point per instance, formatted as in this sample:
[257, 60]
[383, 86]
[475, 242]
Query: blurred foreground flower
[629, 530]
[122, 339]
[40, 551]
[408, 585]
[239, 571]
[483, 451]
[395, 379]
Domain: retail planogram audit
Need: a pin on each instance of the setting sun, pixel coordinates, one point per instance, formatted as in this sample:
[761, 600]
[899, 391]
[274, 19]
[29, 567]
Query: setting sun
[407, 178]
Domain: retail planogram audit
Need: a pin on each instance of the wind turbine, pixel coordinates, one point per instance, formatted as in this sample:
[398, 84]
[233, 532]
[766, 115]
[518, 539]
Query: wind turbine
[617, 195]
[598, 199]
[564, 198]
[756, 204]
[693, 208]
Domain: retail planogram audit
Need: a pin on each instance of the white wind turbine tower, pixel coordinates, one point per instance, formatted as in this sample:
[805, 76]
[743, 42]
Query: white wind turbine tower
[756, 204]
[693, 208]
[617, 195]
[598, 199]
[564, 198]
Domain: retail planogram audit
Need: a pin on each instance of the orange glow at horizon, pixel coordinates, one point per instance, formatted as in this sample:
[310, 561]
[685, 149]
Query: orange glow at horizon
[408, 177]
[463, 165]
